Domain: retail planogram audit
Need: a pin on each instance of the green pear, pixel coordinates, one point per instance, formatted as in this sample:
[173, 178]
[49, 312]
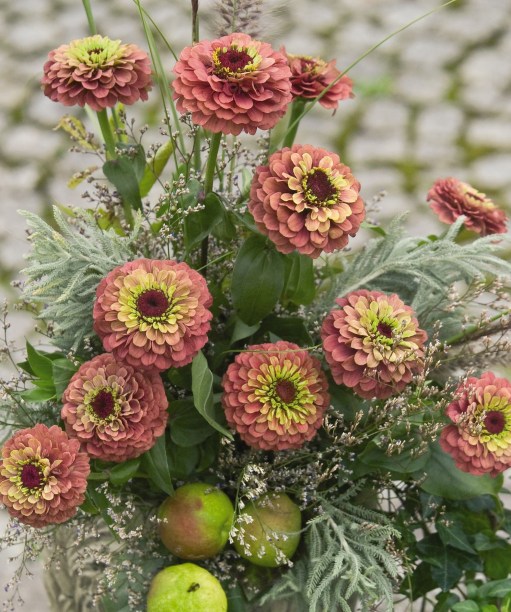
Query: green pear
[271, 533]
[195, 521]
[186, 588]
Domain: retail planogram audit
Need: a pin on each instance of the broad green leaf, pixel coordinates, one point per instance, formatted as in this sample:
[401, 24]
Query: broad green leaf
[453, 535]
[495, 588]
[497, 562]
[446, 480]
[187, 426]
[183, 460]
[38, 395]
[202, 390]
[445, 602]
[199, 225]
[155, 167]
[125, 471]
[292, 329]
[403, 463]
[63, 370]
[489, 608]
[257, 280]
[39, 364]
[466, 606]
[121, 173]
[155, 462]
[242, 330]
[448, 573]
[299, 285]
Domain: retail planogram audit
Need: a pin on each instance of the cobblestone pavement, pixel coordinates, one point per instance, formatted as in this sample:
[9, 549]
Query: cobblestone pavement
[433, 101]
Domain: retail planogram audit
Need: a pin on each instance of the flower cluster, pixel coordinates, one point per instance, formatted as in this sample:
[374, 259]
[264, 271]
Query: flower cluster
[479, 439]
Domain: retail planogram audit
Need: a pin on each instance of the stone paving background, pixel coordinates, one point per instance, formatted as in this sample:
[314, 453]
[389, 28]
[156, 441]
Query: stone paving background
[432, 102]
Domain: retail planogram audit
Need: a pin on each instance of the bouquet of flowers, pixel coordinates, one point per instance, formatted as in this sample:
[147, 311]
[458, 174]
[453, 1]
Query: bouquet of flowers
[236, 406]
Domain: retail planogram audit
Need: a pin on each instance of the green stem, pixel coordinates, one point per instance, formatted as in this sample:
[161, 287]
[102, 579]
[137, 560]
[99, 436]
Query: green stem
[90, 17]
[208, 186]
[106, 130]
[294, 122]
[466, 333]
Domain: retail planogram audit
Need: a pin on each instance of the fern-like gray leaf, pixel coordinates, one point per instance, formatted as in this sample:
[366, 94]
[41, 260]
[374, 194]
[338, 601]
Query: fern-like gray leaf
[66, 266]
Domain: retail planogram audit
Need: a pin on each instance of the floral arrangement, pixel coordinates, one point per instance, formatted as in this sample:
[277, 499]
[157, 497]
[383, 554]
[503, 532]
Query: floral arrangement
[235, 405]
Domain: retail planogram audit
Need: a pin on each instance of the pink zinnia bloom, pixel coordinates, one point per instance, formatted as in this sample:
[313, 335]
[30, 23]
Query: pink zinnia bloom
[310, 76]
[115, 411]
[43, 476]
[373, 343]
[98, 72]
[480, 439]
[275, 396]
[153, 314]
[305, 199]
[232, 84]
[451, 198]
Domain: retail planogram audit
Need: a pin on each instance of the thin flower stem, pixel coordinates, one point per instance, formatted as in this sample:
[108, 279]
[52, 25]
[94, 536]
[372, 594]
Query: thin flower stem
[195, 21]
[308, 107]
[106, 130]
[90, 17]
[208, 186]
[473, 329]
[294, 122]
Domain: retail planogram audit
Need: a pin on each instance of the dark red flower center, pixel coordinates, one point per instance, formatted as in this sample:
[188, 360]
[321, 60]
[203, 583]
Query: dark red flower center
[494, 421]
[103, 404]
[319, 186]
[384, 329]
[234, 60]
[31, 476]
[286, 391]
[152, 303]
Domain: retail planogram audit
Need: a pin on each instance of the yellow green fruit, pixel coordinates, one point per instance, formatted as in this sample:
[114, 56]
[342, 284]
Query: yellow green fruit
[273, 530]
[186, 588]
[196, 521]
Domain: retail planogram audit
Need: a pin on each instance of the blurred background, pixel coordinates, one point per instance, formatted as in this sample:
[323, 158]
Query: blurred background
[434, 101]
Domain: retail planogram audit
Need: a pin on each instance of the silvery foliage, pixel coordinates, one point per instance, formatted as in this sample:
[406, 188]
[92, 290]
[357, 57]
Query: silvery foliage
[65, 268]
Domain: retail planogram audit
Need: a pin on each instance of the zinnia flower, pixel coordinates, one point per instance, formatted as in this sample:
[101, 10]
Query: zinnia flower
[451, 198]
[153, 314]
[480, 439]
[115, 411]
[306, 199]
[275, 396]
[311, 75]
[232, 84]
[43, 476]
[373, 343]
[98, 72]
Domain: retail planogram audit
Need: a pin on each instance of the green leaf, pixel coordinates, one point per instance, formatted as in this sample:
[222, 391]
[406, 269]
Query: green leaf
[40, 365]
[125, 471]
[466, 606]
[257, 280]
[402, 463]
[187, 426]
[202, 390]
[489, 608]
[121, 173]
[155, 462]
[183, 460]
[242, 330]
[495, 588]
[155, 167]
[445, 602]
[497, 562]
[292, 329]
[199, 225]
[453, 535]
[446, 480]
[299, 285]
[63, 370]
[38, 395]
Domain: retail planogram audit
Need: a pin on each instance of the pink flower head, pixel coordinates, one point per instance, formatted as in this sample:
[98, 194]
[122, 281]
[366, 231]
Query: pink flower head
[480, 439]
[373, 343]
[310, 76]
[98, 72]
[153, 314]
[305, 199]
[275, 396]
[232, 84]
[451, 198]
[43, 476]
[115, 411]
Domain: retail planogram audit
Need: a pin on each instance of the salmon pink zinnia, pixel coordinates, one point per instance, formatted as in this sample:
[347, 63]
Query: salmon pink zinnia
[153, 314]
[479, 440]
[232, 84]
[98, 72]
[305, 199]
[275, 396]
[373, 343]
